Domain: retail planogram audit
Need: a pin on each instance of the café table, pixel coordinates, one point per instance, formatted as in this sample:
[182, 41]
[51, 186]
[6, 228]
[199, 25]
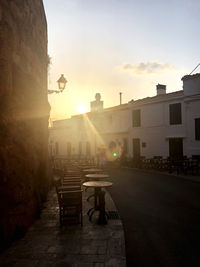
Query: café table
[83, 167]
[95, 177]
[99, 199]
[92, 170]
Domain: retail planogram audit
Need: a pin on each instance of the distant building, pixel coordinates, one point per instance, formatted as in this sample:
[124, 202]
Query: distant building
[163, 125]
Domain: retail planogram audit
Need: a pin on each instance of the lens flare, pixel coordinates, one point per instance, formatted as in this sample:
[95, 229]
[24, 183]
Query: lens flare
[82, 109]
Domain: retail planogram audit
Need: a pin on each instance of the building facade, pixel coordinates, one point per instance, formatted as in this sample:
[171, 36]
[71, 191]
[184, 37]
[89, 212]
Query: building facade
[164, 125]
[24, 159]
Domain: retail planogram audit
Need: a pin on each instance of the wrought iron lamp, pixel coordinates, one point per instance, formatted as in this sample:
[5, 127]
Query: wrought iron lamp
[61, 85]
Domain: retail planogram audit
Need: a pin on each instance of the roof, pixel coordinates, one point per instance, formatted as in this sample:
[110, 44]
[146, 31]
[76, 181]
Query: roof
[190, 77]
[118, 107]
[146, 100]
[157, 98]
[122, 106]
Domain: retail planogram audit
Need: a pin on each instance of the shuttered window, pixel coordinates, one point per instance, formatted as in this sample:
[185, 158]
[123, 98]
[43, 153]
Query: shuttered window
[175, 116]
[136, 118]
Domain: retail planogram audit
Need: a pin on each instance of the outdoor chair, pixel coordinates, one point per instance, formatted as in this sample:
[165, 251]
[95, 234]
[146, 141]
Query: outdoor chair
[71, 175]
[68, 182]
[71, 183]
[66, 188]
[72, 179]
[70, 206]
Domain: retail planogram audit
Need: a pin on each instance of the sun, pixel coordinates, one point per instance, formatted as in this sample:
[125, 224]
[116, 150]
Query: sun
[82, 109]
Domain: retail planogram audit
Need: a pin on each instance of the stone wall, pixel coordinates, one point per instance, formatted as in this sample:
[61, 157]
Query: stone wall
[24, 112]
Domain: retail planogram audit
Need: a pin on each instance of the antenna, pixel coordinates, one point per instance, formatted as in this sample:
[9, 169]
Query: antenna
[195, 69]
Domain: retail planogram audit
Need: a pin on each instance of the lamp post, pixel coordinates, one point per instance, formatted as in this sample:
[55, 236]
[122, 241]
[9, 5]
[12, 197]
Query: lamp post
[61, 85]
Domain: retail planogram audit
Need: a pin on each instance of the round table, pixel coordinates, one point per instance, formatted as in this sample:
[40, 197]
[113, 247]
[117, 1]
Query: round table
[97, 184]
[99, 203]
[97, 176]
[92, 170]
[83, 167]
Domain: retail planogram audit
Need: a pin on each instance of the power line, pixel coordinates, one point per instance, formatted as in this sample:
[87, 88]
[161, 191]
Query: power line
[195, 69]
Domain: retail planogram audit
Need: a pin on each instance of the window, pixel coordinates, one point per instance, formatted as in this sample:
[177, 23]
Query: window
[175, 114]
[197, 129]
[136, 118]
[144, 144]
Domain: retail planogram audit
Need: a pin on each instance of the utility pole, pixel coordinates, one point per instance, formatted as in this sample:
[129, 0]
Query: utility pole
[120, 97]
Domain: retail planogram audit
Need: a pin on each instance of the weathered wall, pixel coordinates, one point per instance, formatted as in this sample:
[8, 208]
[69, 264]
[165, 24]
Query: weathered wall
[24, 112]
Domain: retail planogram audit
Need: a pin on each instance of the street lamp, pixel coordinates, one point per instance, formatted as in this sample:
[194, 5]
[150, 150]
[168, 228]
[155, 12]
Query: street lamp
[61, 85]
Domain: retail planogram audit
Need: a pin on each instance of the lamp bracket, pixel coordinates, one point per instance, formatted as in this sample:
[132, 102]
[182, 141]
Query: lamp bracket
[53, 91]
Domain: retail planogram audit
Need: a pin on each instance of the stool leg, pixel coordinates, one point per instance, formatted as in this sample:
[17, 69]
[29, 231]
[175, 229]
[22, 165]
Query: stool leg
[90, 217]
[90, 197]
[102, 214]
[88, 213]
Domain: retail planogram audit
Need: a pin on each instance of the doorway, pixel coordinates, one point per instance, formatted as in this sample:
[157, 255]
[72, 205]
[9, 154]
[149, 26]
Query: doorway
[136, 148]
[176, 147]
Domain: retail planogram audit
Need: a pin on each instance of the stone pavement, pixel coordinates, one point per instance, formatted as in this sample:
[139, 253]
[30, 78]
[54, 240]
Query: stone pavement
[48, 244]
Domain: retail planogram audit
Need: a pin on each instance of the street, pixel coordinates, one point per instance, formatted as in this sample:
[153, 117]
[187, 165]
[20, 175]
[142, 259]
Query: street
[161, 218]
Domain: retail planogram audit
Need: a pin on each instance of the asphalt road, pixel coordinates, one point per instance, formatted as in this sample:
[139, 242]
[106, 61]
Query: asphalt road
[161, 218]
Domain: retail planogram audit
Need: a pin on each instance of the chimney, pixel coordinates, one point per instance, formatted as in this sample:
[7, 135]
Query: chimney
[161, 89]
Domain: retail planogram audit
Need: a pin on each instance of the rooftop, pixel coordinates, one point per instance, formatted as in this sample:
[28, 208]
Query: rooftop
[189, 77]
[162, 97]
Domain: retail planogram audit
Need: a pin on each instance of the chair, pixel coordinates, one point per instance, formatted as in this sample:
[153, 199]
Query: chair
[72, 179]
[67, 188]
[71, 183]
[72, 173]
[70, 205]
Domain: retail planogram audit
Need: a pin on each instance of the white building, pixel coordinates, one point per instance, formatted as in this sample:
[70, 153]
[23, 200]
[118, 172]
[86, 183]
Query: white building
[163, 125]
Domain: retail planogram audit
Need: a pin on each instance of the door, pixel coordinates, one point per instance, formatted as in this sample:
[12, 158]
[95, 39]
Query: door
[136, 148]
[176, 147]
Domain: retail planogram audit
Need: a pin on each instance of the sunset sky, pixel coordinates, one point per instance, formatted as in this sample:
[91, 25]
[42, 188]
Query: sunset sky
[113, 46]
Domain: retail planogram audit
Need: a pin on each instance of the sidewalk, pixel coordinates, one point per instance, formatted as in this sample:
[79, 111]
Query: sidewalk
[48, 244]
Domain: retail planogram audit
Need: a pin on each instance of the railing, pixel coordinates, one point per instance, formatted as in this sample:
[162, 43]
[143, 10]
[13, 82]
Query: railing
[178, 165]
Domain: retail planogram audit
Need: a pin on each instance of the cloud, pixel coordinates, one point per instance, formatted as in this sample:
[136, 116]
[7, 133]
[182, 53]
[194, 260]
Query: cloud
[148, 68]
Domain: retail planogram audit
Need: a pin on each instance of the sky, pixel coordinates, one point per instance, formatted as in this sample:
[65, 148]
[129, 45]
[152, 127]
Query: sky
[113, 46]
